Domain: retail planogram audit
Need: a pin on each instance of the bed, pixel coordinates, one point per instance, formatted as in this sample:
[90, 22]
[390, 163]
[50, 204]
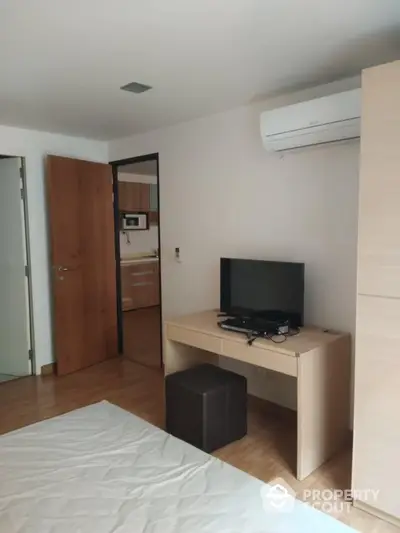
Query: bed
[101, 469]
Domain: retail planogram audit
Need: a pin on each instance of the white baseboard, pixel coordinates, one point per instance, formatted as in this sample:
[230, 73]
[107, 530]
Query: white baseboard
[376, 512]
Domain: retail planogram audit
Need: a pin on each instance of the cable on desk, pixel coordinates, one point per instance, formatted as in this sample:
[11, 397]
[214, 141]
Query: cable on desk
[251, 337]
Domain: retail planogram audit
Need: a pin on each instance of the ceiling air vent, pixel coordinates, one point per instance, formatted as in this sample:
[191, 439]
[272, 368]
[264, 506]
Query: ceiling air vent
[136, 87]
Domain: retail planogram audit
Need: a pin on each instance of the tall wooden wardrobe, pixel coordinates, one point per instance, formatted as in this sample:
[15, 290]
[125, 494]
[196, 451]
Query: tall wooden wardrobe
[376, 460]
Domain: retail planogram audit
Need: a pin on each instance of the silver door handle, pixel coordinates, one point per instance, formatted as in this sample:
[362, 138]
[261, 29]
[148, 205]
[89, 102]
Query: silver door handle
[63, 269]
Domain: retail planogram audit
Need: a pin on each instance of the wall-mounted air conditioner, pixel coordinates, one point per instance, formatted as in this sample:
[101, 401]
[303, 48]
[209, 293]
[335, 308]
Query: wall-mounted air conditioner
[323, 120]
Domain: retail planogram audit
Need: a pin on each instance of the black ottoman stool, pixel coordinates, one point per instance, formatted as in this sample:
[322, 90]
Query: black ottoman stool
[206, 406]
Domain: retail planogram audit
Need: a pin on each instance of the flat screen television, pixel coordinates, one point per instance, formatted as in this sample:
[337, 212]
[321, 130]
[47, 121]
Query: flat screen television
[267, 289]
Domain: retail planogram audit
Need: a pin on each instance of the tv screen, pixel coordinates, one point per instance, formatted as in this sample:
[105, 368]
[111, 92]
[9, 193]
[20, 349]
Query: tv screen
[268, 289]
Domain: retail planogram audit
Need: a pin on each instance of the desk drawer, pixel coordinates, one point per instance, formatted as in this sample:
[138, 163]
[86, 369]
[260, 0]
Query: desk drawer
[279, 362]
[194, 338]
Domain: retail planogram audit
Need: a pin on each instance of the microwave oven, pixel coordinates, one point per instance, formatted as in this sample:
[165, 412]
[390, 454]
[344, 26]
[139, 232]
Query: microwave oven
[134, 221]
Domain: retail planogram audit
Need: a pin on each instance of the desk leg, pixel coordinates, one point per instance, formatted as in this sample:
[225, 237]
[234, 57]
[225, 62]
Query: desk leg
[178, 356]
[323, 404]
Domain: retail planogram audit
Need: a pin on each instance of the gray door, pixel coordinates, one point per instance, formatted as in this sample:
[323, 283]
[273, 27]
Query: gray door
[14, 309]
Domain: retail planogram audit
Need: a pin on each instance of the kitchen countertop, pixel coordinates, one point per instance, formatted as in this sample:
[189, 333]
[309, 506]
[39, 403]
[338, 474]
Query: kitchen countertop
[138, 258]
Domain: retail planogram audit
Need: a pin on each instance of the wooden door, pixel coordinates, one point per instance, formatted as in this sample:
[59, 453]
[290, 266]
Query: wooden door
[377, 362]
[376, 401]
[379, 214]
[83, 262]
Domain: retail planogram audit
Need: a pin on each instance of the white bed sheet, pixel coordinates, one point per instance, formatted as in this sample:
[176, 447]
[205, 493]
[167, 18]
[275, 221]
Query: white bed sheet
[101, 469]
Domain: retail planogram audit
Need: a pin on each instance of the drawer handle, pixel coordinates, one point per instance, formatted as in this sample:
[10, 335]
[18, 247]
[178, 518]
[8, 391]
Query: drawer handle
[142, 283]
[143, 273]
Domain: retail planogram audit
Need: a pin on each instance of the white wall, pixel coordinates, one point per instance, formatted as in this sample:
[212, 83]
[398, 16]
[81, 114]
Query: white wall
[140, 241]
[34, 146]
[221, 194]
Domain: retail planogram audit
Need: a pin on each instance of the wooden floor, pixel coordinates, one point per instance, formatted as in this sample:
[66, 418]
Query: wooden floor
[267, 452]
[142, 339]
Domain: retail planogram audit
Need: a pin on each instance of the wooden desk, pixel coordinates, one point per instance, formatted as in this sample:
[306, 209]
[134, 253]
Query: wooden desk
[319, 360]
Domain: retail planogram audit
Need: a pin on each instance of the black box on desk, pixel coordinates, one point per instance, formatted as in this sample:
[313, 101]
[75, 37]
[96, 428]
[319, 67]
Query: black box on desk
[206, 406]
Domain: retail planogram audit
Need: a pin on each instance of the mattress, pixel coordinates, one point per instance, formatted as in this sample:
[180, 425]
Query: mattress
[101, 469]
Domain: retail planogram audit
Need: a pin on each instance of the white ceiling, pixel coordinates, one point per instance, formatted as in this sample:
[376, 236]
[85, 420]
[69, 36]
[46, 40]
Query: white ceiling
[63, 61]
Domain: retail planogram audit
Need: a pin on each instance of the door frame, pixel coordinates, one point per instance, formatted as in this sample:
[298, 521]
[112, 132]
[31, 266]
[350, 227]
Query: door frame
[28, 266]
[115, 166]
[28, 270]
